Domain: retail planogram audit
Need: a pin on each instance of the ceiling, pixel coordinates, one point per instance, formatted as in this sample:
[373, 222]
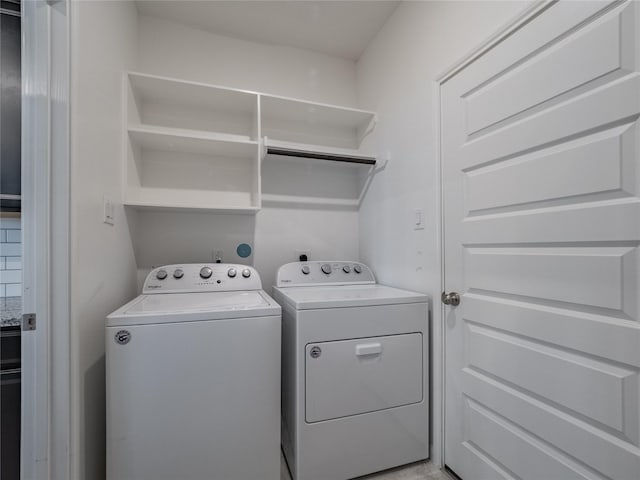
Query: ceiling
[338, 28]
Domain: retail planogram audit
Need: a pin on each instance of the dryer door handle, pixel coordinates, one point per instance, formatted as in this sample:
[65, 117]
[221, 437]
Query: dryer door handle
[368, 349]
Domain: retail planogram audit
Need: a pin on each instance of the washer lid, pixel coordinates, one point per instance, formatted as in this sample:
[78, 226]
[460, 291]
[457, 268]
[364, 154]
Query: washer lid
[306, 298]
[185, 307]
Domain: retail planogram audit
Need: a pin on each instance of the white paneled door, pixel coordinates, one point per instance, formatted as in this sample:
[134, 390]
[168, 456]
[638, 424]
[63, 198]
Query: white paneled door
[541, 185]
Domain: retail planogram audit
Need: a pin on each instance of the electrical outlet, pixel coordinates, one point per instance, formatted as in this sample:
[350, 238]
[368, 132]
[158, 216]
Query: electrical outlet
[108, 211]
[303, 252]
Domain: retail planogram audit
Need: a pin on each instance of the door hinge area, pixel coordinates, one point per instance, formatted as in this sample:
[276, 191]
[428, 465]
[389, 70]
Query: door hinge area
[28, 322]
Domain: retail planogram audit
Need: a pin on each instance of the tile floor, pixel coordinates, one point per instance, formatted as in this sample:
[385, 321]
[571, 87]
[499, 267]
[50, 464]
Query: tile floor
[414, 471]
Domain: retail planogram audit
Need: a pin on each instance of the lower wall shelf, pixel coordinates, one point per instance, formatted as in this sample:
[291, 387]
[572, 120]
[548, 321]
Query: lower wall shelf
[166, 207]
[269, 199]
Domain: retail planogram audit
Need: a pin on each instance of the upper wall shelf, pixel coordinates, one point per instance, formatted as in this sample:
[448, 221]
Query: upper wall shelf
[193, 146]
[291, 120]
[180, 104]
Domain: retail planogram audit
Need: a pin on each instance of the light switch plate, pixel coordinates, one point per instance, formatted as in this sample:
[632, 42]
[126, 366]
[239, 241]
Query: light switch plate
[108, 211]
[418, 219]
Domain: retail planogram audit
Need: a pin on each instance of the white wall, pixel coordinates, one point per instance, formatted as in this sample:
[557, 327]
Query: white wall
[103, 271]
[277, 231]
[169, 48]
[396, 78]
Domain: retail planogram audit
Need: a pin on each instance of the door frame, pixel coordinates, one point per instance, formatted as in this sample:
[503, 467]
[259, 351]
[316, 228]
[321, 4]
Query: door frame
[530, 11]
[46, 380]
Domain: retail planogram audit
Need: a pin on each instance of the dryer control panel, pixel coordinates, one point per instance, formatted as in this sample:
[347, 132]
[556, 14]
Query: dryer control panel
[299, 274]
[202, 277]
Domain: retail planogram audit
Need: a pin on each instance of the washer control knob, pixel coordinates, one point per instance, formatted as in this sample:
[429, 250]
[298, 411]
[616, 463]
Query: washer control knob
[178, 273]
[246, 273]
[232, 272]
[357, 268]
[161, 274]
[206, 272]
[346, 269]
[326, 269]
[306, 269]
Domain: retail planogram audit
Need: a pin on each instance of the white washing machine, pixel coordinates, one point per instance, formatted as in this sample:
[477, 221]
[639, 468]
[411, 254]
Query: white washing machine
[193, 378]
[354, 371]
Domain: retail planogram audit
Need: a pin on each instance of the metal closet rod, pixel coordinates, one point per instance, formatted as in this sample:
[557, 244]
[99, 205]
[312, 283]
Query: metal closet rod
[287, 152]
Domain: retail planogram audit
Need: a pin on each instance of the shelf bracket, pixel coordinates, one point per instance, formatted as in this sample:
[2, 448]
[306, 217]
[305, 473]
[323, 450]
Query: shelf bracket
[370, 127]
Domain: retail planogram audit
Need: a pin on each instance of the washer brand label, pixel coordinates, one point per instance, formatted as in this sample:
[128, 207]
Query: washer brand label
[154, 286]
[123, 337]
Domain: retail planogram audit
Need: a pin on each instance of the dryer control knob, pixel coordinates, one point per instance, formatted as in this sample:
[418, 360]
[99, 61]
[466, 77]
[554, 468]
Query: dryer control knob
[326, 269]
[161, 274]
[346, 269]
[178, 273]
[232, 272]
[246, 273]
[357, 268]
[306, 269]
[206, 272]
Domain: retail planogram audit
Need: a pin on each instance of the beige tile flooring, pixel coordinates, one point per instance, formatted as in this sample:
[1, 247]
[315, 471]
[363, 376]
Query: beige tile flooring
[414, 471]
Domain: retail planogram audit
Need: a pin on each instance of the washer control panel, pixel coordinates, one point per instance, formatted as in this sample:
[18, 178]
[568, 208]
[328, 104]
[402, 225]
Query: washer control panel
[324, 273]
[199, 277]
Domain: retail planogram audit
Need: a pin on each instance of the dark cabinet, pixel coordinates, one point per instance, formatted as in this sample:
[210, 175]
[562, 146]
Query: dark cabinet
[10, 404]
[10, 117]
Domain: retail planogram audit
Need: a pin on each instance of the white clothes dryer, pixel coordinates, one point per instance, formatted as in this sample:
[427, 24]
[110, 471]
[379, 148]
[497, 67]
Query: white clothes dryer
[193, 378]
[355, 364]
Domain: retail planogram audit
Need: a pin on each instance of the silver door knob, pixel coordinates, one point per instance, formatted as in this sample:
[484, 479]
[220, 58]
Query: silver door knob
[451, 298]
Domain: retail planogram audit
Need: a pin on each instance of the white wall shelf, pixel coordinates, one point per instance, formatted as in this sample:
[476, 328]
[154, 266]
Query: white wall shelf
[333, 203]
[168, 102]
[190, 146]
[196, 147]
[321, 125]
[172, 207]
[190, 141]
